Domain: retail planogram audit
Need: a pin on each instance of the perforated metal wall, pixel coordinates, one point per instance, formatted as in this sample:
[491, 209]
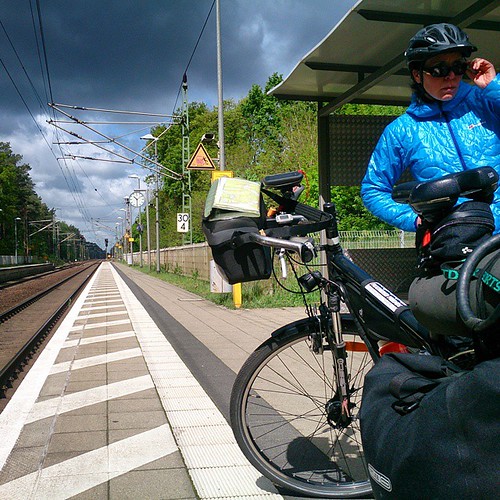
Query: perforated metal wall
[352, 140]
[393, 267]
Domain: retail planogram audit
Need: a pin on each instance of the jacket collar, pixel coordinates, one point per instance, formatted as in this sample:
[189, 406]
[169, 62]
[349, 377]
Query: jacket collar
[419, 109]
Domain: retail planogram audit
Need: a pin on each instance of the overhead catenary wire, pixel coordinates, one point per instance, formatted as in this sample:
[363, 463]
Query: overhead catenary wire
[76, 157]
[38, 51]
[118, 111]
[173, 174]
[44, 49]
[87, 122]
[184, 75]
[33, 88]
[42, 133]
[70, 179]
[23, 100]
[70, 182]
[67, 170]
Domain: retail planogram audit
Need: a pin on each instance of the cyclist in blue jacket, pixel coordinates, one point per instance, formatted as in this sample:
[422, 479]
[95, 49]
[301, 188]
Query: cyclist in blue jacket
[449, 126]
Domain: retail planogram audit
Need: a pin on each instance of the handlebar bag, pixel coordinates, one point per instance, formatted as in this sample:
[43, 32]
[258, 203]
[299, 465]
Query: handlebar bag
[248, 262]
[235, 206]
[430, 430]
[454, 236]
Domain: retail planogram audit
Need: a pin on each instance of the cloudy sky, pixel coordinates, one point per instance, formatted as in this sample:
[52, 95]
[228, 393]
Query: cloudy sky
[131, 55]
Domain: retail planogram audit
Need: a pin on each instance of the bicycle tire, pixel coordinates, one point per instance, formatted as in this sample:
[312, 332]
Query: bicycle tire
[278, 416]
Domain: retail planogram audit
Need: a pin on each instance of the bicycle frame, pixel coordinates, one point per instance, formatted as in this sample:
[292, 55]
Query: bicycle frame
[380, 313]
[295, 402]
[377, 313]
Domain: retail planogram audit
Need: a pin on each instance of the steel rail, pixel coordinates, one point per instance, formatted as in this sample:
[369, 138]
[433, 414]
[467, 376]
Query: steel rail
[15, 366]
[23, 305]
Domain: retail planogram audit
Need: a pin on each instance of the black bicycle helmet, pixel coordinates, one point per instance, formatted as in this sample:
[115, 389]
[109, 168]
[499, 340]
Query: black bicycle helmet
[437, 39]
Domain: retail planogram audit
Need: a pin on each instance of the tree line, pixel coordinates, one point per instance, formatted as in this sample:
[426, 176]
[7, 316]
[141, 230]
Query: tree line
[25, 220]
[263, 135]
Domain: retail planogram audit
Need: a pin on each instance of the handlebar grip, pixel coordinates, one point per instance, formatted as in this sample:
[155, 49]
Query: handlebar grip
[305, 248]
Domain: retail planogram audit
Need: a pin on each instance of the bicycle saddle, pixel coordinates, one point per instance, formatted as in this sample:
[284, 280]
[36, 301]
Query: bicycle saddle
[284, 182]
[433, 197]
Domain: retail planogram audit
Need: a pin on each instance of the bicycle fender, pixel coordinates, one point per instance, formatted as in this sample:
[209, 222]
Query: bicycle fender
[307, 324]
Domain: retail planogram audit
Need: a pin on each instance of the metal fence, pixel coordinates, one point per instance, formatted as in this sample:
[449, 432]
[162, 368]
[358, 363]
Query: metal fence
[352, 240]
[194, 260]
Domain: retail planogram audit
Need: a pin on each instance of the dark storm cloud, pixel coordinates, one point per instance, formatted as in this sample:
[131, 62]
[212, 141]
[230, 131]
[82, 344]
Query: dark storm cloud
[113, 53]
[105, 53]
[131, 54]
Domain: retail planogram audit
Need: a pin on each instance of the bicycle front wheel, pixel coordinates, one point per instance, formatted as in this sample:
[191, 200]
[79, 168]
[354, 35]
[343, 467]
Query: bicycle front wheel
[283, 414]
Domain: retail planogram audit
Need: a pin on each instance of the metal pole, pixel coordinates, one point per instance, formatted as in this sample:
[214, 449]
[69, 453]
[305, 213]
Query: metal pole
[115, 248]
[129, 215]
[15, 239]
[185, 158]
[122, 240]
[140, 232]
[147, 226]
[157, 221]
[222, 154]
[54, 233]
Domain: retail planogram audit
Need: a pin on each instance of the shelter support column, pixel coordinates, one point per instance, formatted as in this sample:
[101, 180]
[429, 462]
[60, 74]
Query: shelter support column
[324, 170]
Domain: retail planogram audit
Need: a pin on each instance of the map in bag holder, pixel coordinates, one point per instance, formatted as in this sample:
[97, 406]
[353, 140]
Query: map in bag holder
[237, 195]
[235, 206]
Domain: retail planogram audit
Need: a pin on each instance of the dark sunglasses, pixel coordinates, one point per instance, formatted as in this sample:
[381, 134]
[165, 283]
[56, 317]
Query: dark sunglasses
[442, 69]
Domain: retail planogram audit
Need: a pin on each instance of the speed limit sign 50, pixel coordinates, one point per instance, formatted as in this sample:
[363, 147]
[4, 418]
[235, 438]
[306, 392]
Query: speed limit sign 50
[182, 223]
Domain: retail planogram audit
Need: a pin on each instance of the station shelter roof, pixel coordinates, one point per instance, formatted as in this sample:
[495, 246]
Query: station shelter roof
[362, 59]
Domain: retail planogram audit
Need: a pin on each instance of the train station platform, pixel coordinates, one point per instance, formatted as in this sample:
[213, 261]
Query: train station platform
[130, 398]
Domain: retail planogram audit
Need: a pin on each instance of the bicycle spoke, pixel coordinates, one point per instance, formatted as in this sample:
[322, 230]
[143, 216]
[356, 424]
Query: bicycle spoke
[289, 422]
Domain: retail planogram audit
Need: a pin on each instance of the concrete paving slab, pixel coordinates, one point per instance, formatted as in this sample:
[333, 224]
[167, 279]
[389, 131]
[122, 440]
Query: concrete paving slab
[106, 430]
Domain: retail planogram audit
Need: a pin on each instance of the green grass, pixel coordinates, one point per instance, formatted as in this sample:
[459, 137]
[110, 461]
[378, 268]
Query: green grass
[256, 294]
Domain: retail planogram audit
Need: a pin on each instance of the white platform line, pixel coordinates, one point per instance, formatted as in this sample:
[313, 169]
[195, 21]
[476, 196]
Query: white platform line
[65, 479]
[100, 308]
[99, 338]
[14, 415]
[95, 302]
[101, 296]
[81, 399]
[99, 325]
[102, 314]
[101, 359]
[155, 345]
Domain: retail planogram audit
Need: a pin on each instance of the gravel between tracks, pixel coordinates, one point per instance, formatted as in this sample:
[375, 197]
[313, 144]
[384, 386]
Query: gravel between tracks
[11, 296]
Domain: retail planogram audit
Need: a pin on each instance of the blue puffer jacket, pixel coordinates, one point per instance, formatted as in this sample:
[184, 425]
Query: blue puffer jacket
[433, 140]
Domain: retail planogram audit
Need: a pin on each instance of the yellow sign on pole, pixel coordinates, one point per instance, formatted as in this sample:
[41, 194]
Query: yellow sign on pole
[217, 174]
[200, 160]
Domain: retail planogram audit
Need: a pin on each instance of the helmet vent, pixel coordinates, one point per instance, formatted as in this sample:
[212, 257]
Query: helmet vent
[437, 39]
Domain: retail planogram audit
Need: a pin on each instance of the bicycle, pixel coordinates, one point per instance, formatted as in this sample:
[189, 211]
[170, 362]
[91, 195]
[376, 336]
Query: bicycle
[294, 405]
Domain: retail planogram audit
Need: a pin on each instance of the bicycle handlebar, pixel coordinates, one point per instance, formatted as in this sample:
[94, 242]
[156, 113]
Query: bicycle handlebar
[304, 247]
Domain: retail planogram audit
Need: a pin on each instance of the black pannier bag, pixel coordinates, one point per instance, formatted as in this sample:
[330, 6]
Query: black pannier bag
[453, 237]
[235, 206]
[433, 300]
[444, 245]
[430, 430]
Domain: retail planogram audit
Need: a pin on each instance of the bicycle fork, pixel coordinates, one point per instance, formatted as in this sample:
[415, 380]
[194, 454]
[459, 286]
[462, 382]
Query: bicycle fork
[338, 409]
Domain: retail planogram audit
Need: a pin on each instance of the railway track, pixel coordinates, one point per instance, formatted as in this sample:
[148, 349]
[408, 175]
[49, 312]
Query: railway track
[25, 324]
[40, 276]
